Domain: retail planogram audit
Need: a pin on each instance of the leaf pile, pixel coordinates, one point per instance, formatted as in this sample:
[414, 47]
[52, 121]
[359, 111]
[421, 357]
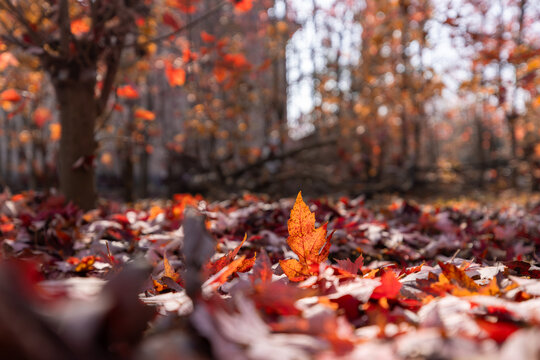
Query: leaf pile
[266, 280]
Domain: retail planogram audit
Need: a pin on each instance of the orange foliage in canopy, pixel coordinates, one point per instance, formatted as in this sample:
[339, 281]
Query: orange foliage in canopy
[80, 26]
[169, 19]
[10, 95]
[206, 37]
[127, 92]
[175, 76]
[187, 6]
[144, 114]
[243, 5]
[41, 116]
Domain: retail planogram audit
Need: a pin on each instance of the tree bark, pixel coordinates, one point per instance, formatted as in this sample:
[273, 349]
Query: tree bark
[78, 113]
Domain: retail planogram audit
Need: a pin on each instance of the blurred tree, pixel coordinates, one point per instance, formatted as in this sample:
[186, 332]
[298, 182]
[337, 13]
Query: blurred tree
[80, 45]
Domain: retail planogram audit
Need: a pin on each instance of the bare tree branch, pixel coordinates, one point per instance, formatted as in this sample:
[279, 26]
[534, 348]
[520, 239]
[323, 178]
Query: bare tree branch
[112, 62]
[18, 13]
[65, 27]
[282, 156]
[181, 29]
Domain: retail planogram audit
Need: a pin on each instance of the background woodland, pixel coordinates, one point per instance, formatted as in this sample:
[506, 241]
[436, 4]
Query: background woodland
[213, 97]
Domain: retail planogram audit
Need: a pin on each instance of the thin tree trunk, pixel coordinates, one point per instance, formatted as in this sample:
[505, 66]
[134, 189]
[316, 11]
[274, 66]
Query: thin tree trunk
[127, 160]
[78, 112]
[480, 148]
[403, 7]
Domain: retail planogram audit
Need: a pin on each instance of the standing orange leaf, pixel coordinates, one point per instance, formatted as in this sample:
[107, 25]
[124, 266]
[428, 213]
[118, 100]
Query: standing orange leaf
[308, 242]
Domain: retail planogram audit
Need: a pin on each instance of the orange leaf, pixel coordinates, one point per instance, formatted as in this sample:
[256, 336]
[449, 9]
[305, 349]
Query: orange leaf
[220, 73]
[169, 19]
[295, 270]
[5, 228]
[186, 6]
[458, 277]
[10, 95]
[41, 116]
[498, 331]
[169, 270]
[144, 114]
[56, 131]
[262, 269]
[389, 288]
[80, 26]
[308, 242]
[206, 37]
[127, 92]
[225, 260]
[236, 60]
[175, 76]
[221, 277]
[188, 55]
[243, 5]
[247, 264]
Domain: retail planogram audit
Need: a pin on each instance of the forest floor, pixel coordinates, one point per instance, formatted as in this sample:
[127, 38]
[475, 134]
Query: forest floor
[247, 278]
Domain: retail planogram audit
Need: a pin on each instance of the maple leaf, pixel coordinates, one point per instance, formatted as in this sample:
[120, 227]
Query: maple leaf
[458, 277]
[295, 270]
[164, 282]
[213, 267]
[351, 267]
[389, 288]
[498, 331]
[223, 275]
[247, 264]
[308, 242]
[262, 269]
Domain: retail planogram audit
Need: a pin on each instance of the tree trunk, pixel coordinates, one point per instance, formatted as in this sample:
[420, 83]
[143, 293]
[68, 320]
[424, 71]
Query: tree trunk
[78, 112]
[511, 121]
[127, 172]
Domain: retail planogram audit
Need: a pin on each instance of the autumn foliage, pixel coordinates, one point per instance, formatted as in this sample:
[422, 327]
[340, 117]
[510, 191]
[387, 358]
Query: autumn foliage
[105, 103]
[385, 280]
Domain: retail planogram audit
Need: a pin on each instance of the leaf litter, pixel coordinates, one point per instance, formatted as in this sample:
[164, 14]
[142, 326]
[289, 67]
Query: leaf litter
[252, 279]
